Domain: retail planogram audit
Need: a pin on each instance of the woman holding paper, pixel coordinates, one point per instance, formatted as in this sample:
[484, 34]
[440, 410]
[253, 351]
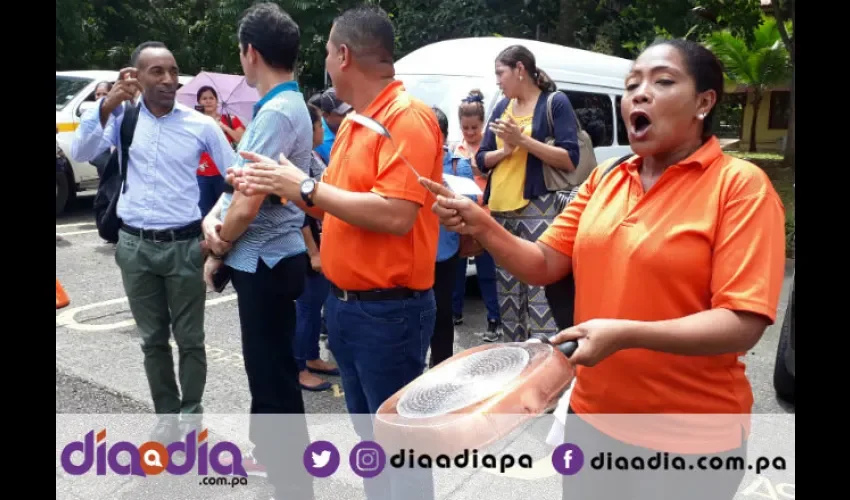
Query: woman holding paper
[471, 116]
[513, 153]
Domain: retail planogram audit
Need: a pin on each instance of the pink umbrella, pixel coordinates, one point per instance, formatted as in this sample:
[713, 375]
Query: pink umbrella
[234, 94]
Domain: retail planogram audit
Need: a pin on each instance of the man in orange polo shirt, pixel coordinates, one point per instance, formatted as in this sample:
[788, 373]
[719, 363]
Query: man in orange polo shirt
[379, 244]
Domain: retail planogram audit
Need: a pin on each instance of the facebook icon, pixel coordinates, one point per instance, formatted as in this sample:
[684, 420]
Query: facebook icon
[567, 459]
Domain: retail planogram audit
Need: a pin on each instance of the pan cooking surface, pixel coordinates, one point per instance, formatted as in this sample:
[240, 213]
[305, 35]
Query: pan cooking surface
[466, 381]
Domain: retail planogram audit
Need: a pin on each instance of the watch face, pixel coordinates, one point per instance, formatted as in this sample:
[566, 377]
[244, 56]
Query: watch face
[308, 186]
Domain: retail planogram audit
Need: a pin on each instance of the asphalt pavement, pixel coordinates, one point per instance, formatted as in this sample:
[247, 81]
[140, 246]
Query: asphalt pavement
[99, 371]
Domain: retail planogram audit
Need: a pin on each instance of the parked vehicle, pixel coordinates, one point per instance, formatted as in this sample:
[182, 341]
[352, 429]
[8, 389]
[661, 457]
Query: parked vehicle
[443, 73]
[784, 369]
[784, 372]
[62, 189]
[75, 95]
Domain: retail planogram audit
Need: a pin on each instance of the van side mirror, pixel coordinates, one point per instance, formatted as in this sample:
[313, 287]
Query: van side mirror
[85, 106]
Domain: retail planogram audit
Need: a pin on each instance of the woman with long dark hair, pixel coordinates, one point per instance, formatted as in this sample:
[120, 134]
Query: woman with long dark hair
[513, 153]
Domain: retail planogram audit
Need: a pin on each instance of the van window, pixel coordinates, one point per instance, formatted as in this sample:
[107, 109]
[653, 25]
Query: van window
[67, 87]
[446, 92]
[622, 133]
[595, 113]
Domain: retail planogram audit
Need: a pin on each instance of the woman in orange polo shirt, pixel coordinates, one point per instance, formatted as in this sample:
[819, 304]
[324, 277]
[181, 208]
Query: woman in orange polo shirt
[678, 256]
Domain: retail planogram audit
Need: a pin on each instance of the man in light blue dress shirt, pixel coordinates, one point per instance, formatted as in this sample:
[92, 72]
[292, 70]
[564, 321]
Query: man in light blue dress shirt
[159, 244]
[259, 240]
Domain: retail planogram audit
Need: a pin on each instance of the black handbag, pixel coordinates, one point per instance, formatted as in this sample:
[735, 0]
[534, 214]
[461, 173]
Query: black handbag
[561, 295]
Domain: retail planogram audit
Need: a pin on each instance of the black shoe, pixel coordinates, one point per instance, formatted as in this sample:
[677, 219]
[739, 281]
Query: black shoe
[493, 332]
[458, 320]
[166, 430]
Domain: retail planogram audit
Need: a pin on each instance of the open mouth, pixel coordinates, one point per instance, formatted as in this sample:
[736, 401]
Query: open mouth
[640, 122]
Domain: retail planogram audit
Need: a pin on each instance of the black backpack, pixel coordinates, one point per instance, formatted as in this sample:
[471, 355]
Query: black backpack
[561, 295]
[113, 180]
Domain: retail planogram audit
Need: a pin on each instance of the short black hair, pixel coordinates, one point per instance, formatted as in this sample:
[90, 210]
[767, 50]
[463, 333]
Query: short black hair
[367, 31]
[442, 120]
[706, 70]
[273, 33]
[134, 57]
[206, 88]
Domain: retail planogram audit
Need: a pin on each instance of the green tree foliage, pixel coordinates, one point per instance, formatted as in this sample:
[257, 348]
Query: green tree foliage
[759, 65]
[101, 34]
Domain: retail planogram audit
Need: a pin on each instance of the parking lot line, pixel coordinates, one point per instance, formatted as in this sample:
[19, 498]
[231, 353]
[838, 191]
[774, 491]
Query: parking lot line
[75, 224]
[67, 317]
[77, 232]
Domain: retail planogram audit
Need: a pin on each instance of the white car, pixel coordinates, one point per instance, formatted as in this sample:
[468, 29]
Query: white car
[74, 95]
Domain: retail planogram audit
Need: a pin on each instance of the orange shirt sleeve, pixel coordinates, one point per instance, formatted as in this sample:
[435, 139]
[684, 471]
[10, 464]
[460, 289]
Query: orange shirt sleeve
[419, 140]
[561, 234]
[748, 264]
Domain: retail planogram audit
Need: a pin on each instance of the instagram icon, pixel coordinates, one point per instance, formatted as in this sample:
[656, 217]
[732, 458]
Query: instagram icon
[367, 459]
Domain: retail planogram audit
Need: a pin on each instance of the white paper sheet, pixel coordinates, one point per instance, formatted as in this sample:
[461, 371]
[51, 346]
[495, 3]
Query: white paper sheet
[462, 185]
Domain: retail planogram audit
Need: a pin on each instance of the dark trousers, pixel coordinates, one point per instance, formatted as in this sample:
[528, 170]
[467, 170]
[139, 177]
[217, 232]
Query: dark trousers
[211, 187]
[278, 428]
[485, 272]
[561, 296]
[380, 346]
[442, 342]
[309, 318]
[645, 484]
[165, 288]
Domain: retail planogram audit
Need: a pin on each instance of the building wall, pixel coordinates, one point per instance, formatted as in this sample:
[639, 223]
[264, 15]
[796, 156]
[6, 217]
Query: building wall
[767, 138]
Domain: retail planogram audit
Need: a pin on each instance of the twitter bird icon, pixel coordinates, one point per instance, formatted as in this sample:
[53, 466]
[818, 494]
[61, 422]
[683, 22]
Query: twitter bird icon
[321, 458]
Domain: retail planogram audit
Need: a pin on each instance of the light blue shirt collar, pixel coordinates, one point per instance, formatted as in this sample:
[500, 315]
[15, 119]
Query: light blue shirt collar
[277, 89]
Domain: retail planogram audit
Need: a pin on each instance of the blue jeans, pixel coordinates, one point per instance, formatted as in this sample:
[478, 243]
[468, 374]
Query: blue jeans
[485, 268]
[211, 187]
[380, 346]
[308, 324]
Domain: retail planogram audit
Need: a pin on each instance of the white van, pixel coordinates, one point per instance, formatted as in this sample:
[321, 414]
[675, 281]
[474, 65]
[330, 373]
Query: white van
[74, 95]
[443, 73]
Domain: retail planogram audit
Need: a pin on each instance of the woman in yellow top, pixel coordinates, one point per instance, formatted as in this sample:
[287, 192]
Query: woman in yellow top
[513, 152]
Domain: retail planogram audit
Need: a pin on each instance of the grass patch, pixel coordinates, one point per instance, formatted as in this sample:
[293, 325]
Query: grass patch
[783, 181]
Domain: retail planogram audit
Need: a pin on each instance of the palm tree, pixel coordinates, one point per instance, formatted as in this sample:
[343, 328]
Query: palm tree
[758, 66]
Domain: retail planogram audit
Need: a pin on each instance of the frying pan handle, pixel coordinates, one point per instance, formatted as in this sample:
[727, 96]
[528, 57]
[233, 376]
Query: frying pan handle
[567, 348]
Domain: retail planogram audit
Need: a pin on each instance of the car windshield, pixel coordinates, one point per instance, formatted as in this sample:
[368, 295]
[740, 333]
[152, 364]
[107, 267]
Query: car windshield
[67, 87]
[446, 93]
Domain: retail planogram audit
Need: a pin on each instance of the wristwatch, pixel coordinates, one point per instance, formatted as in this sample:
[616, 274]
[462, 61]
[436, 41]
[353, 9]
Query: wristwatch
[308, 187]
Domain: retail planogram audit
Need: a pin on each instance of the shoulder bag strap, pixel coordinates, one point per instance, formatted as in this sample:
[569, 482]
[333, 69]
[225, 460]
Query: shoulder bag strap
[549, 114]
[128, 128]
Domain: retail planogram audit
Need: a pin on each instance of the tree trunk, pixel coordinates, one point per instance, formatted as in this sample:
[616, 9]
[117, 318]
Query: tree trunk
[566, 30]
[790, 145]
[757, 97]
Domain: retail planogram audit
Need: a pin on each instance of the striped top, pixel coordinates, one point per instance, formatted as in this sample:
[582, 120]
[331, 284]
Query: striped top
[281, 125]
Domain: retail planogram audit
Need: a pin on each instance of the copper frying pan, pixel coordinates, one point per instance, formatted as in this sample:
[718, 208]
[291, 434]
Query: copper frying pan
[476, 397]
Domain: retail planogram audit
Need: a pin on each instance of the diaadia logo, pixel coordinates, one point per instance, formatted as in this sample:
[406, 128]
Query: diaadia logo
[151, 458]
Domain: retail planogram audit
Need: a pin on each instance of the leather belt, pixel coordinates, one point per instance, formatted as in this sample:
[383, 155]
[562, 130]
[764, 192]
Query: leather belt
[376, 295]
[187, 232]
